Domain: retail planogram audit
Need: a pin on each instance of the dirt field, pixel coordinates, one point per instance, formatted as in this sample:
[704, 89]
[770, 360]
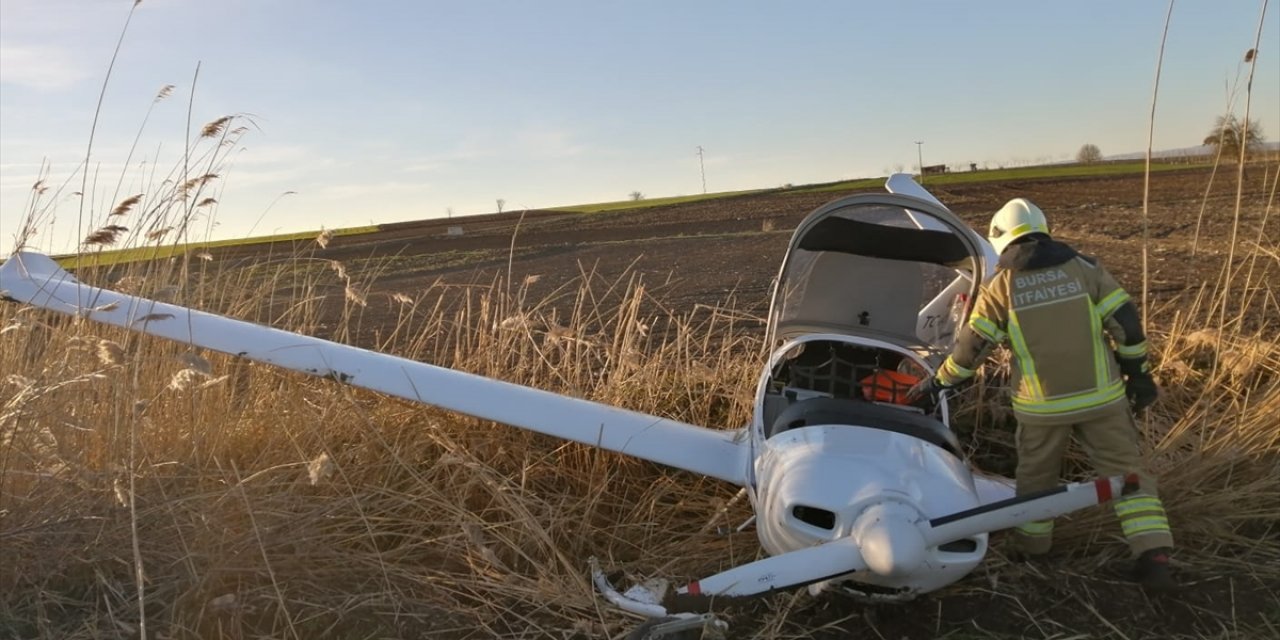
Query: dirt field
[705, 252]
[717, 253]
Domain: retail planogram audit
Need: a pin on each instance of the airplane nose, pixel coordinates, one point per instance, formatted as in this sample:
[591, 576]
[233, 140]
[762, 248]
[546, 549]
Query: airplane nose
[891, 543]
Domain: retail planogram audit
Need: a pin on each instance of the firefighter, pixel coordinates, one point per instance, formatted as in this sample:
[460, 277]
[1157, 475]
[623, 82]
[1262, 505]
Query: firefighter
[1080, 354]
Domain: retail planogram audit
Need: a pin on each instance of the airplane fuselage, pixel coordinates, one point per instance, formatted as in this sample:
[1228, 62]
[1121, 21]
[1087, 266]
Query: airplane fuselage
[820, 483]
[829, 469]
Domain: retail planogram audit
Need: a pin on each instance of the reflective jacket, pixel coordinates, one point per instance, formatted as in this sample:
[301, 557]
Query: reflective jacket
[1069, 323]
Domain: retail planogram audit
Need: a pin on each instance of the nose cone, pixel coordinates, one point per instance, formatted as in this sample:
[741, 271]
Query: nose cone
[891, 543]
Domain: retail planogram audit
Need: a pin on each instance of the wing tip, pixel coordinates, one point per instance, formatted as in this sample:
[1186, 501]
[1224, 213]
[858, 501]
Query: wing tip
[31, 266]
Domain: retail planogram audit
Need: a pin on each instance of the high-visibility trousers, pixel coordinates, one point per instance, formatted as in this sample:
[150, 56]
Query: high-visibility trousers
[1111, 441]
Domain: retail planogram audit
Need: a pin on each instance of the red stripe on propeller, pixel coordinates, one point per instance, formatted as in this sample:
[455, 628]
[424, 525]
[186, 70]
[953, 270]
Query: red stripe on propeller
[1103, 486]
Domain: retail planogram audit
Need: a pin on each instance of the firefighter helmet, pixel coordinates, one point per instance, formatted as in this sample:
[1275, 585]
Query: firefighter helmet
[1017, 218]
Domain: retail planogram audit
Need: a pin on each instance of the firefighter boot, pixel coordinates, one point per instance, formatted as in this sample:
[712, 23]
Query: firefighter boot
[1151, 570]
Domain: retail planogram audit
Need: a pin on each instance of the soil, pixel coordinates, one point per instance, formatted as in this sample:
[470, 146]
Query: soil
[702, 252]
[1067, 597]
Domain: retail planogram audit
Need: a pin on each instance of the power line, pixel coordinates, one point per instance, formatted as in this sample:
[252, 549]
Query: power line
[920, 158]
[702, 169]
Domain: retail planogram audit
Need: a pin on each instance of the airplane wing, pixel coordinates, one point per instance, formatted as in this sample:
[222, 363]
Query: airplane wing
[35, 279]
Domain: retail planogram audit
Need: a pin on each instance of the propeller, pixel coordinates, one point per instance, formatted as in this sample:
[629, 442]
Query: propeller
[1042, 505]
[784, 571]
[888, 538]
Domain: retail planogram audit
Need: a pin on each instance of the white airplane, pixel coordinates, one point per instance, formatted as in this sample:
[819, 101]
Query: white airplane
[851, 487]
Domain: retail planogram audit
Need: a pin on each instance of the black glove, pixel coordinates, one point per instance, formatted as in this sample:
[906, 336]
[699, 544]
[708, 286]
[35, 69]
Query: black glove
[1132, 367]
[1142, 391]
[924, 394]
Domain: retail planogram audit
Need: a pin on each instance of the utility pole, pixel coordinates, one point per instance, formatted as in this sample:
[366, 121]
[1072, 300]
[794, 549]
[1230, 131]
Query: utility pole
[702, 169]
[920, 158]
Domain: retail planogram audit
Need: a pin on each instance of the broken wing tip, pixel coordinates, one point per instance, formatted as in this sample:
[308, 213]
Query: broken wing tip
[31, 264]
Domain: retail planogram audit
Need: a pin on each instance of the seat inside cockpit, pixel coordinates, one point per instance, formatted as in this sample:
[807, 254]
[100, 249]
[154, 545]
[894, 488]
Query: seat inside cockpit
[835, 382]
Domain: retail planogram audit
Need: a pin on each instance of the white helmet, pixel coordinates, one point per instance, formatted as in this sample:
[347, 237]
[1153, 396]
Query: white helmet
[1017, 218]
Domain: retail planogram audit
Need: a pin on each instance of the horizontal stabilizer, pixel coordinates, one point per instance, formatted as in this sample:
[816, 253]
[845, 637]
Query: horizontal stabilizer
[903, 184]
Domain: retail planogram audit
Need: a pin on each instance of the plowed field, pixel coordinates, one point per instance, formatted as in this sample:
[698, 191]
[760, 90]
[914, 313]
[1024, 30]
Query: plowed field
[701, 252]
[706, 252]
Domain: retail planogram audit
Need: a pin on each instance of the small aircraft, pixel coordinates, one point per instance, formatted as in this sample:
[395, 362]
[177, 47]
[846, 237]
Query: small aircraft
[852, 487]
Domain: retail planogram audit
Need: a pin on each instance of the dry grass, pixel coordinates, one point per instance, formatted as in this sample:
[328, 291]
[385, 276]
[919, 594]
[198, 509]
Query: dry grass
[208, 497]
[274, 505]
[145, 487]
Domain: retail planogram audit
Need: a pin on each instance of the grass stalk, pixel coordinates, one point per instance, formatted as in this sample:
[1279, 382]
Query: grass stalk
[1146, 174]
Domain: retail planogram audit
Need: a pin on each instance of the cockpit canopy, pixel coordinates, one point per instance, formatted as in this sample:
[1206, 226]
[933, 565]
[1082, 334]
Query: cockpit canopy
[888, 266]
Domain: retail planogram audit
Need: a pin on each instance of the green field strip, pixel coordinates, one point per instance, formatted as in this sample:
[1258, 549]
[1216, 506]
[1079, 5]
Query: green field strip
[1018, 173]
[154, 252]
[622, 205]
[133, 254]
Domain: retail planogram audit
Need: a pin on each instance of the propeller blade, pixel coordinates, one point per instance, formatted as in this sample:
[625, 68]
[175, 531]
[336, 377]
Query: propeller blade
[785, 571]
[1014, 511]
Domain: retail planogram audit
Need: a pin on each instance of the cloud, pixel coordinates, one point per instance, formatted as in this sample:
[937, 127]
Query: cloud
[39, 67]
[549, 143]
[423, 166]
[372, 190]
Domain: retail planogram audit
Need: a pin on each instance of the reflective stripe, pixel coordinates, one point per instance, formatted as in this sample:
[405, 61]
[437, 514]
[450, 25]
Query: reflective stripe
[1101, 368]
[951, 373]
[1141, 515]
[1033, 397]
[1078, 402]
[1025, 363]
[987, 329]
[1131, 506]
[1036, 528]
[1027, 228]
[1069, 404]
[1106, 390]
[1111, 302]
[1148, 524]
[1132, 350]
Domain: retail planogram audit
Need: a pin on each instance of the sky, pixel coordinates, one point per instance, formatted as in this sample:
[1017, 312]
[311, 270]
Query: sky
[380, 111]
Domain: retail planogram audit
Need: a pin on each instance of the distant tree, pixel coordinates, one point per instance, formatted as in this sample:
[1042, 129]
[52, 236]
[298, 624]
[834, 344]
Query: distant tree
[501, 203]
[636, 195]
[1089, 153]
[1229, 134]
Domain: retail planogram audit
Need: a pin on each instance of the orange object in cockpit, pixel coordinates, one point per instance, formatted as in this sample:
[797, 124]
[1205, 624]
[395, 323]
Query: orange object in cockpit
[888, 386]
